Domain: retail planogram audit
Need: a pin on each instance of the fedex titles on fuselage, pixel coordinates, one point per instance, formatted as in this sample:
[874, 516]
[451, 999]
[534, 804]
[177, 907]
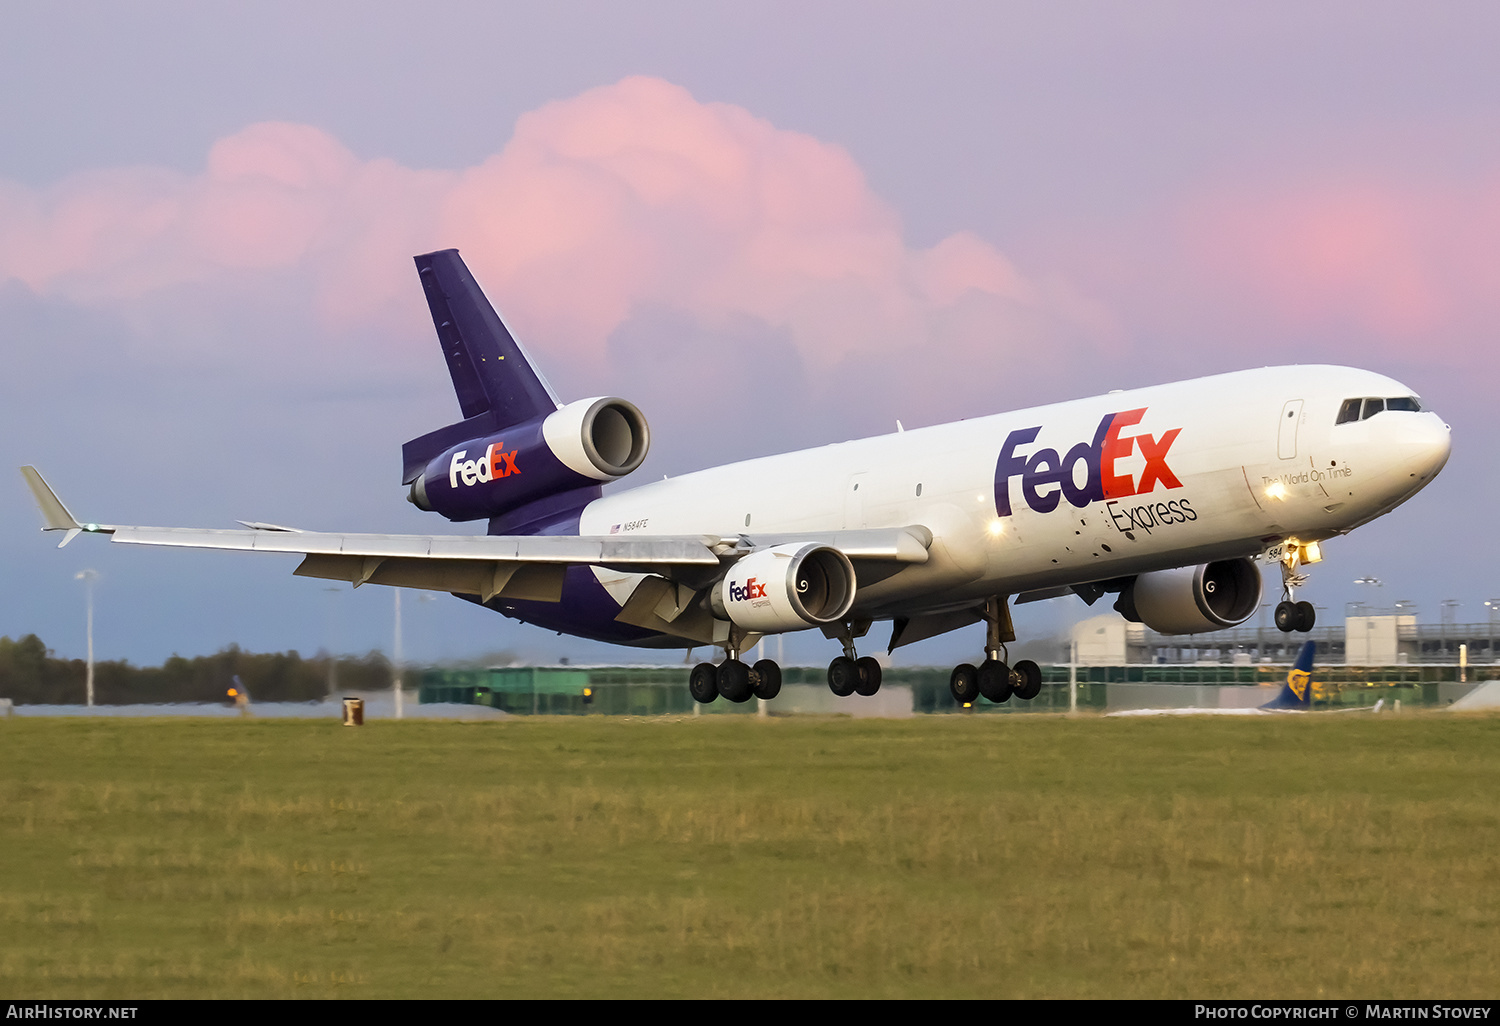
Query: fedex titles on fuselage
[1047, 477]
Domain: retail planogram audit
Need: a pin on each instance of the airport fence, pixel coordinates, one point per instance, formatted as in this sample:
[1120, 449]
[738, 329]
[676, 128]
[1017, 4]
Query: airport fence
[662, 690]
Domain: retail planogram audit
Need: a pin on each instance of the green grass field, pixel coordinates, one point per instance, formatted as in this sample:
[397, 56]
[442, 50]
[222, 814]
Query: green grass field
[947, 856]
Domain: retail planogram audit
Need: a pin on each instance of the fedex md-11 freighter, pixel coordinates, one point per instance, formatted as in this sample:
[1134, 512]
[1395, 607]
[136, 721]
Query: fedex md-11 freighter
[1165, 497]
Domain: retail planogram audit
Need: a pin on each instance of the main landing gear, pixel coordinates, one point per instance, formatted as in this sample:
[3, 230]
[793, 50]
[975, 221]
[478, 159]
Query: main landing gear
[1290, 614]
[733, 679]
[993, 679]
[850, 673]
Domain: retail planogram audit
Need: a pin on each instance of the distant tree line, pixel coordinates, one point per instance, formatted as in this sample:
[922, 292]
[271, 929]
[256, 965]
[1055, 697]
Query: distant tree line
[30, 674]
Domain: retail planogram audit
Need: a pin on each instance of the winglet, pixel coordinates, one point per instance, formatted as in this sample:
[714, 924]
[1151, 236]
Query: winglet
[54, 512]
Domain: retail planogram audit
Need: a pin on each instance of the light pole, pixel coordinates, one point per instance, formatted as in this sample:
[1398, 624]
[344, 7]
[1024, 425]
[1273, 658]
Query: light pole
[88, 577]
[1448, 606]
[1493, 605]
[1406, 607]
[423, 597]
[396, 654]
[1373, 582]
[333, 659]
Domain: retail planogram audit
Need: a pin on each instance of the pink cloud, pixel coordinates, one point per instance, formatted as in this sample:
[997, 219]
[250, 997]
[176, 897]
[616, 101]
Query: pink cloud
[1398, 265]
[630, 195]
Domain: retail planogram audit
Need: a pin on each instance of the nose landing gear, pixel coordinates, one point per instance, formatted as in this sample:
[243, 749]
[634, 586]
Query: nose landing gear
[1295, 616]
[1290, 614]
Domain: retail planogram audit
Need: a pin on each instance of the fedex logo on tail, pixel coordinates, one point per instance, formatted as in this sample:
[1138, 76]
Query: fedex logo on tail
[1047, 477]
[496, 463]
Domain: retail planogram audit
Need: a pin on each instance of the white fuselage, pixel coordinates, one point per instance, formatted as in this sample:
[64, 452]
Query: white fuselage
[1213, 468]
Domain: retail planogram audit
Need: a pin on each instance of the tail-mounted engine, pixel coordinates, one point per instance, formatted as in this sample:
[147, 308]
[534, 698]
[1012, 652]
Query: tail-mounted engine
[583, 443]
[786, 588]
[1193, 599]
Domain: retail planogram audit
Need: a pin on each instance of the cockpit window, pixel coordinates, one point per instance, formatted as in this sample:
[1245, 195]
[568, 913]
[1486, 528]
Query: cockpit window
[1365, 408]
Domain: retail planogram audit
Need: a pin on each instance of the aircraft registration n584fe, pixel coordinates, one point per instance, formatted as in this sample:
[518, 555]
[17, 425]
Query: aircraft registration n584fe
[1165, 497]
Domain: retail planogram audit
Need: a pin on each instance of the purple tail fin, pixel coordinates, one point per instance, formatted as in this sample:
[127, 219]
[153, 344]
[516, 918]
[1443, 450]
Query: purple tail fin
[496, 384]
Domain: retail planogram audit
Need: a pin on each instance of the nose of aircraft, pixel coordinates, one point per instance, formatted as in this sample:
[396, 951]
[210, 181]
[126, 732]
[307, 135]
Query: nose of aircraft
[1425, 443]
[1438, 444]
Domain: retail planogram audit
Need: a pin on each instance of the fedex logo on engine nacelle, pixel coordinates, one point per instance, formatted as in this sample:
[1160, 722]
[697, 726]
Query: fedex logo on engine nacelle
[750, 590]
[1047, 477]
[496, 463]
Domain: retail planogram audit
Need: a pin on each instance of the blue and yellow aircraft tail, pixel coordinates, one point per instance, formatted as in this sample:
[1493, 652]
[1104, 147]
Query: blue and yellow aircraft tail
[1297, 692]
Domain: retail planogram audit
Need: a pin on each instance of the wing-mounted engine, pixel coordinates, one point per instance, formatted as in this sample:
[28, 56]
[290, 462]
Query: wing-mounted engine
[583, 443]
[785, 588]
[1193, 599]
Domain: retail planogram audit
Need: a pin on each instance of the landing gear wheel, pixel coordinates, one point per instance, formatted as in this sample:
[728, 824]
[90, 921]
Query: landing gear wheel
[703, 683]
[1306, 617]
[994, 680]
[734, 680]
[1286, 617]
[843, 676]
[963, 684]
[869, 676]
[1030, 683]
[765, 679]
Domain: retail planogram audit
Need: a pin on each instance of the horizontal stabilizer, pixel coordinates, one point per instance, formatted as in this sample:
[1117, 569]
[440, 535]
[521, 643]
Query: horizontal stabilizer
[417, 453]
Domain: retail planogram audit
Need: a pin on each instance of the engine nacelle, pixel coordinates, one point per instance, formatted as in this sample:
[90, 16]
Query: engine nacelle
[1193, 599]
[583, 443]
[786, 588]
[603, 439]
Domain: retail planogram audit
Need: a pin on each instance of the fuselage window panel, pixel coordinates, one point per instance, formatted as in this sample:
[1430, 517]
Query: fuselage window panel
[1372, 407]
[1349, 411]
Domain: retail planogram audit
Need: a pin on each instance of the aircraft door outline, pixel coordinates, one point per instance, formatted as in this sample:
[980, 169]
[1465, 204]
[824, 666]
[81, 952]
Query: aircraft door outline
[1286, 434]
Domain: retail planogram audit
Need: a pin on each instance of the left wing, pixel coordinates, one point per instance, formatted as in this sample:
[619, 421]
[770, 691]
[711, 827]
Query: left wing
[511, 566]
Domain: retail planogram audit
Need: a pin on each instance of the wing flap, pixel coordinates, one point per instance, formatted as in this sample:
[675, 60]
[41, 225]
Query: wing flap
[537, 582]
[661, 605]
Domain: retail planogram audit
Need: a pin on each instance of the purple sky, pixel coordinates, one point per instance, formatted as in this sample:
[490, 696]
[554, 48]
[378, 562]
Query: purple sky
[769, 226]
